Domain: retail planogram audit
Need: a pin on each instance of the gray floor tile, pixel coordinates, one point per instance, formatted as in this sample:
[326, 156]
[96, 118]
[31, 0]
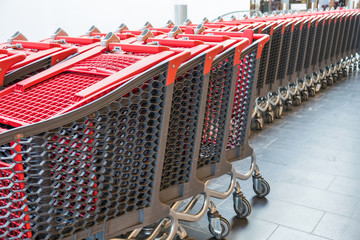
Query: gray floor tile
[346, 186]
[284, 233]
[356, 214]
[310, 157]
[314, 198]
[288, 214]
[254, 229]
[338, 228]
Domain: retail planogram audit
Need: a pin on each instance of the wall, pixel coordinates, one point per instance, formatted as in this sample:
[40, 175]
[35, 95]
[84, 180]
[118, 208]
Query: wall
[37, 19]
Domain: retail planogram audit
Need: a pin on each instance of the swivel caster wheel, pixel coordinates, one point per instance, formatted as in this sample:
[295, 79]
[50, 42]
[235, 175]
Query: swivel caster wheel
[261, 186]
[345, 74]
[225, 229]
[219, 227]
[257, 123]
[242, 206]
[330, 81]
[324, 84]
[311, 92]
[304, 95]
[278, 109]
[335, 77]
[288, 105]
[297, 100]
[269, 116]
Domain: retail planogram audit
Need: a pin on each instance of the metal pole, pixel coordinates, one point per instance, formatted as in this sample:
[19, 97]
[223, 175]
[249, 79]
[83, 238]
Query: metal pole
[285, 4]
[313, 4]
[180, 13]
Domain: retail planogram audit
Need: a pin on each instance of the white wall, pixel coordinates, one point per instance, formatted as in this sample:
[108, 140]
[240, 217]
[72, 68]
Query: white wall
[37, 19]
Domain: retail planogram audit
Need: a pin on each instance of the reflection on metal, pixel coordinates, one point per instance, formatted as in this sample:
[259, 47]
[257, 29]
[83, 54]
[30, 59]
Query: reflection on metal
[180, 13]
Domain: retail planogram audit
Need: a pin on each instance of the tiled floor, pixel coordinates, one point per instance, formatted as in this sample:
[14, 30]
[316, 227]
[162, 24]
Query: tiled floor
[311, 159]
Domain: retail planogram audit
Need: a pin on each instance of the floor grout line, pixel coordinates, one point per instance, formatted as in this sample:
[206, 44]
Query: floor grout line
[278, 225]
[318, 222]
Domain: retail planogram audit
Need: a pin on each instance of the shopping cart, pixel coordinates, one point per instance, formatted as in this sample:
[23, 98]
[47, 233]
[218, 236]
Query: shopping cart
[196, 145]
[211, 162]
[21, 58]
[95, 169]
[214, 158]
[82, 43]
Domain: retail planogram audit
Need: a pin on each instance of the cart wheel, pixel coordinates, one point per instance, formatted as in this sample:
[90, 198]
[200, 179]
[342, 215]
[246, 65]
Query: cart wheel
[278, 111]
[269, 116]
[264, 187]
[245, 209]
[305, 95]
[297, 101]
[312, 92]
[288, 105]
[330, 81]
[259, 124]
[225, 229]
[335, 77]
[323, 84]
[345, 74]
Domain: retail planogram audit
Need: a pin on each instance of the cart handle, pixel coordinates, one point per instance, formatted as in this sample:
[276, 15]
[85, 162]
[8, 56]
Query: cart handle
[7, 62]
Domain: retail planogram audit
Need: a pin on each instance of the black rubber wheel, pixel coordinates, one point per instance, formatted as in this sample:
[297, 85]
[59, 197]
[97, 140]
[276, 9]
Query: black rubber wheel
[288, 106]
[311, 92]
[264, 188]
[269, 118]
[277, 112]
[335, 77]
[323, 85]
[297, 101]
[304, 96]
[225, 229]
[258, 125]
[330, 81]
[246, 209]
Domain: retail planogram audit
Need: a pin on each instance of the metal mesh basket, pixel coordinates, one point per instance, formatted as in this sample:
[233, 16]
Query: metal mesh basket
[310, 45]
[247, 76]
[284, 54]
[264, 61]
[184, 135]
[324, 41]
[317, 44]
[293, 51]
[272, 65]
[97, 168]
[211, 162]
[336, 37]
[330, 41]
[302, 47]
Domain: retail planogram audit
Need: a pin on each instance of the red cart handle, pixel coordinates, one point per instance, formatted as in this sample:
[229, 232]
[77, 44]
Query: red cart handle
[7, 62]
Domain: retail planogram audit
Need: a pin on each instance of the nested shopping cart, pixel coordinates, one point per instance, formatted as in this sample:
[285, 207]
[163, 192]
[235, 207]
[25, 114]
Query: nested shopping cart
[214, 158]
[96, 168]
[350, 38]
[210, 157]
[21, 58]
[82, 43]
[325, 48]
[267, 73]
[195, 147]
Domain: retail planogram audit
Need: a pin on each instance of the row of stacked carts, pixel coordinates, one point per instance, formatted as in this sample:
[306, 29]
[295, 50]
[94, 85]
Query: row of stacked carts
[118, 135]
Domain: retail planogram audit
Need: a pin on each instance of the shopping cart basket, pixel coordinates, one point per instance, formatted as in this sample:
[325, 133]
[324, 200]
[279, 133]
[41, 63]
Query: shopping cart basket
[25, 58]
[96, 168]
